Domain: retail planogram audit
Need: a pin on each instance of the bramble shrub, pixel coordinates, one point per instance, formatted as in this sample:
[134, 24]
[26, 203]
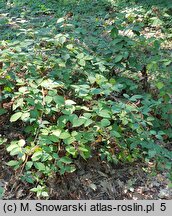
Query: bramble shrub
[73, 100]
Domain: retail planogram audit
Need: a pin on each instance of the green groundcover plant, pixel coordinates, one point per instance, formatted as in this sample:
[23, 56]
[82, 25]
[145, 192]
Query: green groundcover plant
[79, 95]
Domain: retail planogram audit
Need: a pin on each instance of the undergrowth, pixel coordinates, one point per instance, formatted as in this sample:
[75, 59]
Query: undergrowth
[85, 79]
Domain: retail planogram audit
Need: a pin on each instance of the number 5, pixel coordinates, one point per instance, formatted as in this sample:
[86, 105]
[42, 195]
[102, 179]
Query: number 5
[163, 206]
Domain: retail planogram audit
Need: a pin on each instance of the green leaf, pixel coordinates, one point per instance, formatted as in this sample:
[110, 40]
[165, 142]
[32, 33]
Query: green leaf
[62, 39]
[160, 85]
[80, 56]
[64, 135]
[152, 153]
[59, 100]
[40, 166]
[1, 192]
[155, 21]
[50, 84]
[150, 118]
[104, 113]
[69, 140]
[115, 133]
[34, 190]
[78, 122]
[21, 142]
[48, 99]
[86, 153]
[37, 155]
[56, 132]
[105, 122]
[68, 111]
[70, 169]
[34, 114]
[44, 194]
[69, 102]
[136, 97]
[13, 163]
[88, 122]
[12, 146]
[52, 93]
[25, 116]
[81, 62]
[114, 32]
[29, 165]
[2, 140]
[168, 165]
[2, 111]
[152, 132]
[170, 185]
[71, 150]
[15, 151]
[15, 116]
[69, 46]
[53, 138]
[60, 20]
[23, 89]
[62, 121]
[55, 156]
[118, 58]
[83, 149]
[66, 160]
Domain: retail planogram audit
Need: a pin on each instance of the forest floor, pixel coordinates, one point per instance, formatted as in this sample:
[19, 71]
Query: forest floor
[93, 179]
